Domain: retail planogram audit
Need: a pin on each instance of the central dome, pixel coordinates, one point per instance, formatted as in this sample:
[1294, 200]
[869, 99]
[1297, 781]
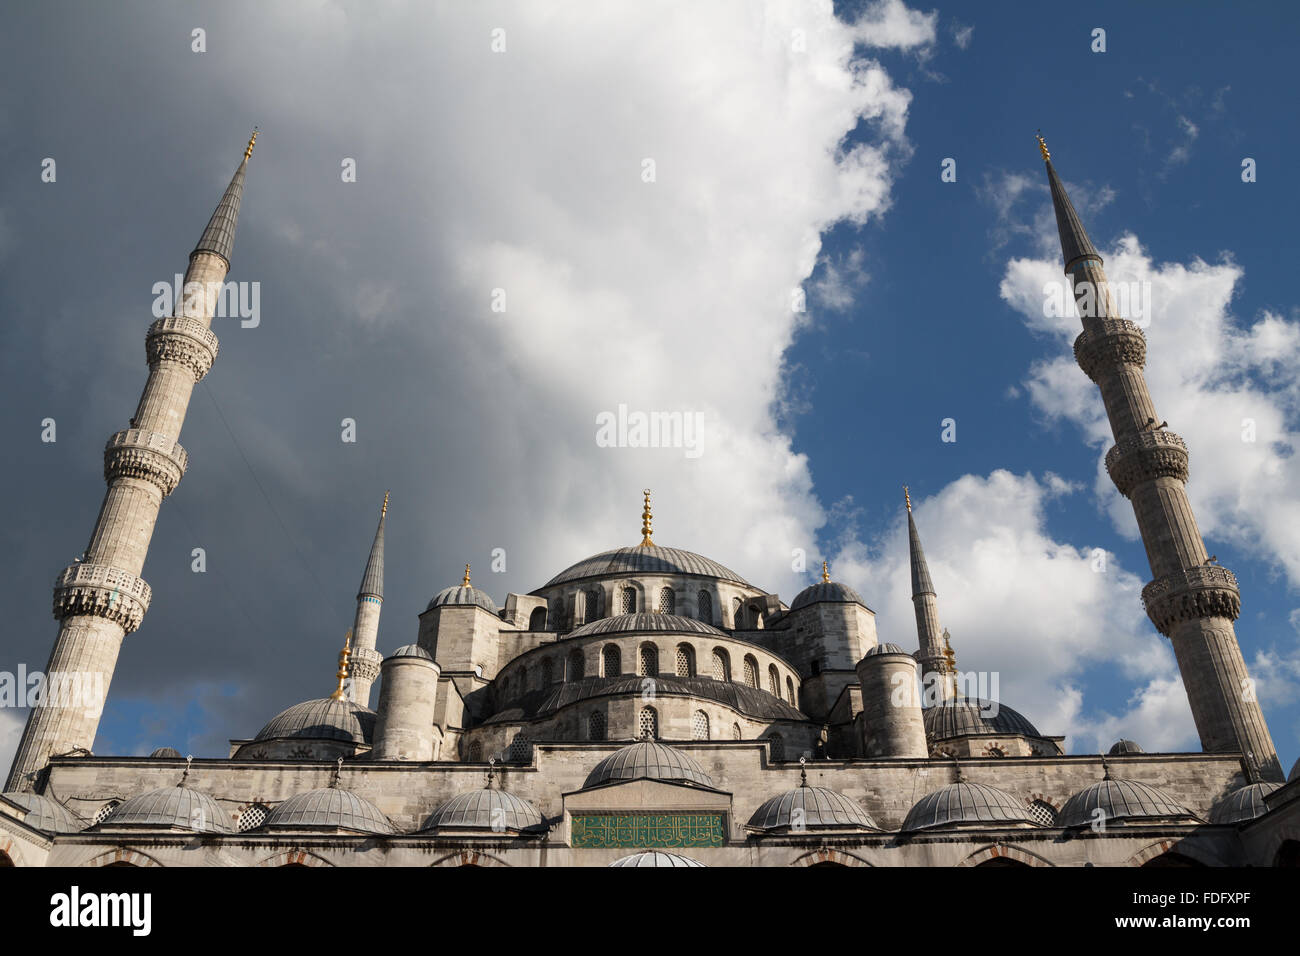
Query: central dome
[645, 559]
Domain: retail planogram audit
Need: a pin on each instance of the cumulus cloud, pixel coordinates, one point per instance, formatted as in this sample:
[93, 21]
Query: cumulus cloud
[890, 23]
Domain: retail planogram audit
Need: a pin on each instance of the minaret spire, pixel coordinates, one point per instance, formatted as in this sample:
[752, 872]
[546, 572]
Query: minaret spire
[366, 660]
[1190, 600]
[646, 531]
[102, 598]
[943, 684]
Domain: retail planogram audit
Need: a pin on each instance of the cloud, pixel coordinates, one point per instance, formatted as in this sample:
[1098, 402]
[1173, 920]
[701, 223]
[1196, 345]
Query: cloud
[890, 23]
[962, 35]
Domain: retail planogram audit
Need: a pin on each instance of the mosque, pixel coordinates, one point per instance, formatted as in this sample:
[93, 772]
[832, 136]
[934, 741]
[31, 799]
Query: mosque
[648, 706]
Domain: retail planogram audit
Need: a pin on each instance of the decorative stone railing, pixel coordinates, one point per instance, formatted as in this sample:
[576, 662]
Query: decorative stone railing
[185, 341]
[103, 591]
[1203, 591]
[151, 456]
[1145, 456]
[1107, 343]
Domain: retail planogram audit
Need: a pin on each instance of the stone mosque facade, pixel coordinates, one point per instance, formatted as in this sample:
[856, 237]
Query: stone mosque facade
[648, 706]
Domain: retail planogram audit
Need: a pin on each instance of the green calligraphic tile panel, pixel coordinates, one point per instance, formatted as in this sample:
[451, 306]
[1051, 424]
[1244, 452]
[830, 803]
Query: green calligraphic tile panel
[655, 830]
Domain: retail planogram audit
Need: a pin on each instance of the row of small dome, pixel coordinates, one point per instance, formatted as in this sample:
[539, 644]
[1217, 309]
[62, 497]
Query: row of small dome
[801, 808]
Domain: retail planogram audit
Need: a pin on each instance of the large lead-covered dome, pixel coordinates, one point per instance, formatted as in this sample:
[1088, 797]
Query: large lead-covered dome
[463, 595]
[810, 808]
[966, 803]
[329, 809]
[324, 719]
[170, 808]
[486, 809]
[970, 715]
[832, 592]
[645, 559]
[1120, 800]
[648, 760]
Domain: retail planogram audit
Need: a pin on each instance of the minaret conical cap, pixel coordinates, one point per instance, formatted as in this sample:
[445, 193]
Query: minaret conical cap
[219, 237]
[1075, 243]
[921, 583]
[372, 582]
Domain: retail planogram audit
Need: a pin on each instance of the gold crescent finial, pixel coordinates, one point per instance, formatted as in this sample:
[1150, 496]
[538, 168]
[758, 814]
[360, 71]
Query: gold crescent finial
[826, 573]
[646, 531]
[251, 140]
[383, 511]
[1042, 146]
[908, 498]
[344, 656]
[465, 583]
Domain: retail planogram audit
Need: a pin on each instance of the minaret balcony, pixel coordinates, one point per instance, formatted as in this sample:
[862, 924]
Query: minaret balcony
[183, 341]
[1206, 590]
[1108, 343]
[102, 591]
[151, 456]
[1145, 457]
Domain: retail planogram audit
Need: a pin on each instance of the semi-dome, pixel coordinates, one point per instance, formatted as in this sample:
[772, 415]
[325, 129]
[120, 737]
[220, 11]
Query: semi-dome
[810, 808]
[823, 592]
[1244, 803]
[655, 858]
[330, 809]
[323, 719]
[486, 809]
[1119, 800]
[970, 715]
[965, 803]
[645, 559]
[463, 596]
[412, 650]
[646, 623]
[885, 649]
[1121, 747]
[649, 760]
[170, 808]
[46, 814]
[170, 752]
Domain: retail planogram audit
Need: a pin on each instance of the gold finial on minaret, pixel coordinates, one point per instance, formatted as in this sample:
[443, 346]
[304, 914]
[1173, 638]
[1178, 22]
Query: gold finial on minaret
[1042, 146]
[384, 510]
[948, 656]
[344, 656]
[465, 583]
[826, 573]
[908, 498]
[645, 522]
[248, 153]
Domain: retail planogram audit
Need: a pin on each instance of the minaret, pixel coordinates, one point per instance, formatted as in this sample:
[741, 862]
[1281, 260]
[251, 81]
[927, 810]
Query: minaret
[931, 656]
[101, 598]
[1191, 600]
[365, 626]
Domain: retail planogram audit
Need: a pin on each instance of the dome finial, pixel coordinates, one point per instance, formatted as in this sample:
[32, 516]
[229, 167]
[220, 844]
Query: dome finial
[492, 766]
[826, 572]
[907, 498]
[803, 771]
[1105, 767]
[338, 772]
[1042, 146]
[465, 583]
[188, 760]
[646, 531]
[339, 692]
[248, 153]
[384, 510]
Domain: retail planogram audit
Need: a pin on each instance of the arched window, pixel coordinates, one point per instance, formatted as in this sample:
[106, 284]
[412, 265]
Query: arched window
[648, 724]
[737, 613]
[777, 746]
[596, 726]
[1043, 813]
[649, 660]
[629, 600]
[773, 681]
[104, 811]
[721, 665]
[577, 666]
[593, 605]
[667, 601]
[735, 732]
[704, 607]
[475, 752]
[610, 661]
[548, 672]
[685, 660]
[537, 620]
[789, 692]
[699, 725]
[252, 817]
[751, 671]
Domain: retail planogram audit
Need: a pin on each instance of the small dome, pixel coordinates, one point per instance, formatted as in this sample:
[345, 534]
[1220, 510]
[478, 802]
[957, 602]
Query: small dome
[832, 592]
[885, 649]
[412, 650]
[323, 719]
[655, 858]
[170, 752]
[329, 809]
[650, 760]
[812, 808]
[646, 624]
[648, 559]
[1244, 803]
[1121, 747]
[461, 596]
[477, 810]
[970, 715]
[45, 814]
[167, 808]
[963, 802]
[1119, 800]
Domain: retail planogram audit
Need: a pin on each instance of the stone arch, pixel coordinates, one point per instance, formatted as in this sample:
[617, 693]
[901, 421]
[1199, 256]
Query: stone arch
[611, 661]
[737, 613]
[469, 858]
[704, 607]
[720, 664]
[295, 858]
[825, 856]
[537, 620]
[684, 662]
[630, 598]
[122, 856]
[1184, 855]
[999, 853]
[647, 659]
[667, 601]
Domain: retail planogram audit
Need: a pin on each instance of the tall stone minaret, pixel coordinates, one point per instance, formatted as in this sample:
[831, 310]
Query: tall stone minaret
[365, 627]
[101, 598]
[931, 656]
[1191, 600]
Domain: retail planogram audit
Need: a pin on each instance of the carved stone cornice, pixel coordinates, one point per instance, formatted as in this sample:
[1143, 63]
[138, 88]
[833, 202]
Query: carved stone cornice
[1108, 343]
[183, 340]
[152, 456]
[365, 664]
[1146, 456]
[103, 591]
[1203, 591]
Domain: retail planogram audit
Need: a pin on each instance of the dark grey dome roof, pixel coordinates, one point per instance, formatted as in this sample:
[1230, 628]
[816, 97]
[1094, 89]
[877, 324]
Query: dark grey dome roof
[45, 814]
[323, 719]
[461, 595]
[646, 624]
[412, 650]
[649, 760]
[477, 809]
[826, 591]
[750, 701]
[166, 752]
[812, 808]
[885, 649]
[1119, 800]
[1120, 747]
[1244, 803]
[329, 809]
[655, 858]
[963, 802]
[650, 559]
[167, 808]
[968, 715]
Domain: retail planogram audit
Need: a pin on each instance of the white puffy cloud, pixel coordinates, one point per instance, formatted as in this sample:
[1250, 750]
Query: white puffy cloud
[890, 23]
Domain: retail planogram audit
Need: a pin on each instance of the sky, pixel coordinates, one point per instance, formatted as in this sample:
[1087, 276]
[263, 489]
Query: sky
[733, 210]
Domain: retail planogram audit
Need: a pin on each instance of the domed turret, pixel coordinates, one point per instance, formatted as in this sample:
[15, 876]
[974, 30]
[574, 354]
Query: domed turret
[407, 699]
[1121, 747]
[323, 719]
